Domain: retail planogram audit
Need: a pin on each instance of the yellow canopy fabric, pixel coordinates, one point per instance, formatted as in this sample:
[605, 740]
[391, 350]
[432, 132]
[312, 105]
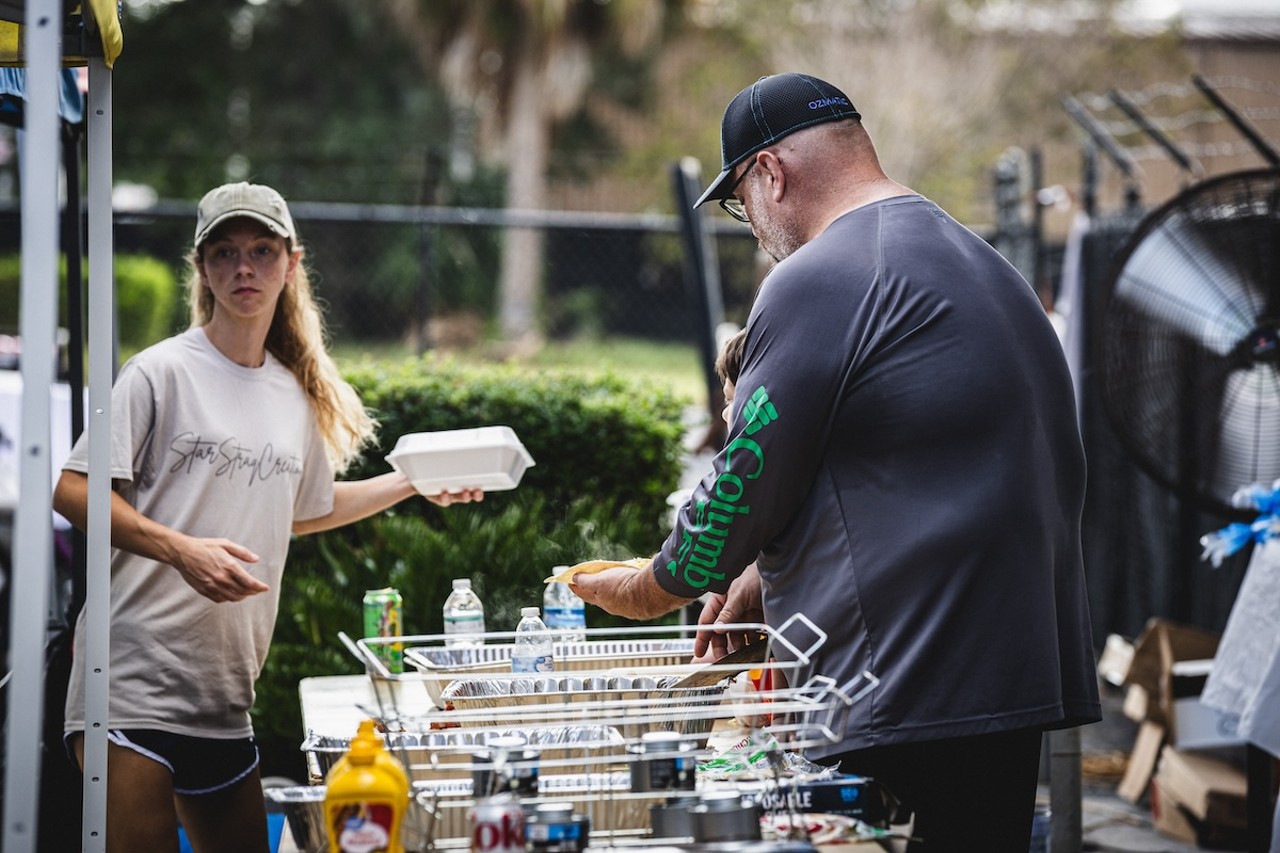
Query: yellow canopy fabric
[106, 15]
[105, 19]
[10, 44]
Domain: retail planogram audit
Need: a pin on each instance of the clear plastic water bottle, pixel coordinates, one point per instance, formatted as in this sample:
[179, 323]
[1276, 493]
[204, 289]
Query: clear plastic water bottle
[463, 616]
[564, 612]
[535, 647]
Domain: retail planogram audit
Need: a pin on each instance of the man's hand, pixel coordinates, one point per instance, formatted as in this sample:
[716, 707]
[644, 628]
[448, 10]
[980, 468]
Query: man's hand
[626, 592]
[742, 603]
[212, 567]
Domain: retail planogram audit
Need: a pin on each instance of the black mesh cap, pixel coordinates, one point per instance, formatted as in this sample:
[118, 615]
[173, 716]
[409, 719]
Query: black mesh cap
[766, 111]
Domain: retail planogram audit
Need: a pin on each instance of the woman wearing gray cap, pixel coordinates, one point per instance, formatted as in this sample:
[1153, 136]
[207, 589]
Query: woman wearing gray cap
[225, 440]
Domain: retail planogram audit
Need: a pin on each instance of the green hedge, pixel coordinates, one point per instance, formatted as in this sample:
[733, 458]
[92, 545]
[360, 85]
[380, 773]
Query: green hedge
[147, 296]
[607, 453]
[614, 439]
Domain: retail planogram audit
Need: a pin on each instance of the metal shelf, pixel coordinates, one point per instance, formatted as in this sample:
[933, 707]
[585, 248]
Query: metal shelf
[594, 725]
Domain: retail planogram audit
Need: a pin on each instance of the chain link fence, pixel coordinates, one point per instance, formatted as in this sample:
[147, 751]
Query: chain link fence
[426, 277]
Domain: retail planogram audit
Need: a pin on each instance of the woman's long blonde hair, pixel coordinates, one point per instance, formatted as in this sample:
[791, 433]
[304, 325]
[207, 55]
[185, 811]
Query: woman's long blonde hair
[297, 339]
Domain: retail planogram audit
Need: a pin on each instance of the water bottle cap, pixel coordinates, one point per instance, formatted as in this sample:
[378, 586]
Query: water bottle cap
[529, 611]
[462, 583]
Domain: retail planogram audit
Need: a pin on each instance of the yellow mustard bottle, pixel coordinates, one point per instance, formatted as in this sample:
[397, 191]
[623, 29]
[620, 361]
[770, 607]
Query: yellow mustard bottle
[366, 794]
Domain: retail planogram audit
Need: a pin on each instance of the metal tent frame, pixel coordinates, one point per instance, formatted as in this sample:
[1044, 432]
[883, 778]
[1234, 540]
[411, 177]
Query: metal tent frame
[38, 35]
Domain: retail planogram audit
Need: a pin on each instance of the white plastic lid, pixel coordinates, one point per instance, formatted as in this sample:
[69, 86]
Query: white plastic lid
[660, 737]
[554, 808]
[462, 583]
[528, 611]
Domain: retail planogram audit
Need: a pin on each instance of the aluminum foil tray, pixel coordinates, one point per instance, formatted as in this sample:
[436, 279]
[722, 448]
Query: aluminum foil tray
[576, 656]
[605, 798]
[633, 704]
[440, 664]
[447, 754]
[561, 688]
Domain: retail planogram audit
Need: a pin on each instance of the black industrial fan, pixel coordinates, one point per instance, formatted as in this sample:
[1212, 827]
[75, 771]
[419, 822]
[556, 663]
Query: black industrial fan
[1189, 339]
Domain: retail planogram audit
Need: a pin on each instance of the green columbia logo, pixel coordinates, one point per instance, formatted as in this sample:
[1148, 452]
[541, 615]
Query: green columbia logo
[758, 411]
[698, 557]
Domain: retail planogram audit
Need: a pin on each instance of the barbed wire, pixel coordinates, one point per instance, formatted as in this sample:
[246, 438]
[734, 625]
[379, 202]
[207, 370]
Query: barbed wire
[1201, 151]
[1176, 123]
[1189, 118]
[1170, 124]
[1167, 89]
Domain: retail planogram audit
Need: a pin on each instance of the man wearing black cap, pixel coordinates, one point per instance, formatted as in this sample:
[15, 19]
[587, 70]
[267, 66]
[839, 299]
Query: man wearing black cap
[905, 464]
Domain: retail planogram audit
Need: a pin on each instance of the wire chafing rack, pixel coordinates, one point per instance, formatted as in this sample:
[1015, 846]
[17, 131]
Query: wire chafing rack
[604, 730]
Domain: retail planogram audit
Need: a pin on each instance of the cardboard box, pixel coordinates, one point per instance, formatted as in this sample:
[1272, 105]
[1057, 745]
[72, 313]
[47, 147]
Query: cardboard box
[1165, 676]
[853, 796]
[1142, 762]
[1137, 703]
[1161, 645]
[1169, 817]
[1210, 788]
[1174, 820]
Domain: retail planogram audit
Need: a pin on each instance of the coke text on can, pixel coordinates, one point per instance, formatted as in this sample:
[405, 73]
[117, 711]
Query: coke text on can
[497, 826]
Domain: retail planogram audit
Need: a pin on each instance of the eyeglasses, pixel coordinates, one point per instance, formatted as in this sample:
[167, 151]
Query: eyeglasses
[733, 205]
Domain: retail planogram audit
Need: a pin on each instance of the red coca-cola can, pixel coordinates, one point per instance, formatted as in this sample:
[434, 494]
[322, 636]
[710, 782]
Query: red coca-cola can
[497, 826]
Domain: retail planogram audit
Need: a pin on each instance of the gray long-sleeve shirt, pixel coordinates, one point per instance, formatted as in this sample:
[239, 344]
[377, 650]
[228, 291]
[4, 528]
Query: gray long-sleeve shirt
[905, 462]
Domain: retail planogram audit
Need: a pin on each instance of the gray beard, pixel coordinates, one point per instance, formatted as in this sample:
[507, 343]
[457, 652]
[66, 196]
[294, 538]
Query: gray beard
[776, 238]
[777, 241]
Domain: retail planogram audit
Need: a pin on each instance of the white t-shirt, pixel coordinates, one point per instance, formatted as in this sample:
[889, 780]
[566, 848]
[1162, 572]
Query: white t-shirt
[213, 449]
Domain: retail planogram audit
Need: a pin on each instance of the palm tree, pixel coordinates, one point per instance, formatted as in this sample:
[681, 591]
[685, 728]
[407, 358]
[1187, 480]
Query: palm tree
[519, 67]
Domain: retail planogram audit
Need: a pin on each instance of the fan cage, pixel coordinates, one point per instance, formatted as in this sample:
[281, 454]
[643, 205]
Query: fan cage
[1188, 355]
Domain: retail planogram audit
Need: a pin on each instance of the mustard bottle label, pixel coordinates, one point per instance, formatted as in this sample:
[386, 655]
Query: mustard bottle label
[363, 827]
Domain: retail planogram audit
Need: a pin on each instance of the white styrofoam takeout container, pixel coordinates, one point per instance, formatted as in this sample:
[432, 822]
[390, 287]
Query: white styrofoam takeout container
[490, 458]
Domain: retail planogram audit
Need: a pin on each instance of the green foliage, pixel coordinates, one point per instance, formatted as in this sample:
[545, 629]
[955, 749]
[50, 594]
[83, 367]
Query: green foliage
[607, 453]
[464, 268]
[576, 313]
[10, 288]
[314, 98]
[605, 436]
[146, 293]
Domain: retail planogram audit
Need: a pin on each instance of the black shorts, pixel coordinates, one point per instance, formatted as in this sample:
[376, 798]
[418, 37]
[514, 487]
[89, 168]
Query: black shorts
[199, 765]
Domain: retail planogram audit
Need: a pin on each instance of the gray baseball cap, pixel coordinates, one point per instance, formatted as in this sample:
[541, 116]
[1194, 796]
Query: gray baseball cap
[255, 201]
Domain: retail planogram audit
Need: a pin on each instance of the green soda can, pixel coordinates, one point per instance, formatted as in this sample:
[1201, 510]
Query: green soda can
[382, 618]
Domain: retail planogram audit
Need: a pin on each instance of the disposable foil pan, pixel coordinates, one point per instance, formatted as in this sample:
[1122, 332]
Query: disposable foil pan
[604, 798]
[584, 654]
[442, 664]
[633, 704]
[447, 754]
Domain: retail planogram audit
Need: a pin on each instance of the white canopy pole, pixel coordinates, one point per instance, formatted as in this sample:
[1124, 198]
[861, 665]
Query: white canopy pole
[97, 608]
[33, 529]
